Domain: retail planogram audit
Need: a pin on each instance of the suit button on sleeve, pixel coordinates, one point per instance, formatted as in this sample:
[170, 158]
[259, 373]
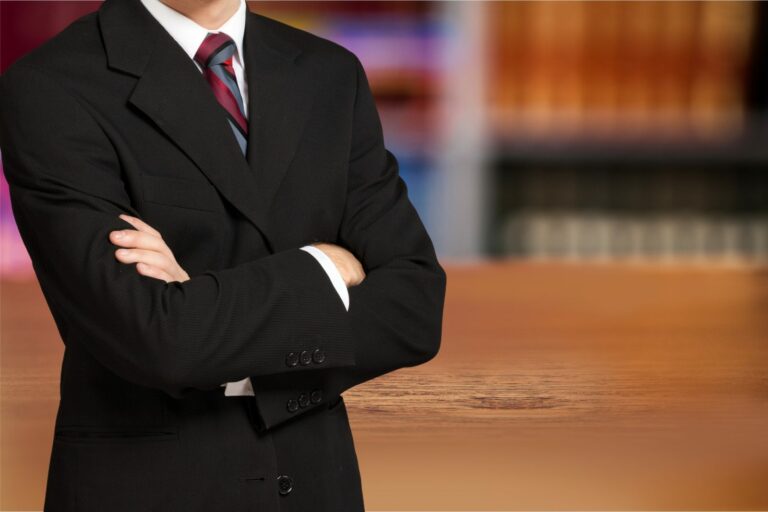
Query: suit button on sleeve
[292, 359]
[316, 396]
[318, 356]
[305, 357]
[303, 400]
[292, 405]
[284, 484]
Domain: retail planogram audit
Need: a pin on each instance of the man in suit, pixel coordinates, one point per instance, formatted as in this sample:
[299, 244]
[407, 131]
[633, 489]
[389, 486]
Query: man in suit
[274, 260]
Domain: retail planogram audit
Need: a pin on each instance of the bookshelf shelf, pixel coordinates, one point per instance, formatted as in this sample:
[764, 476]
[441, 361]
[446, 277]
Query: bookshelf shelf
[747, 151]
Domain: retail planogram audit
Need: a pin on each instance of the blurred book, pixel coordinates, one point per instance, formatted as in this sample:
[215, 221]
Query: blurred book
[619, 70]
[610, 236]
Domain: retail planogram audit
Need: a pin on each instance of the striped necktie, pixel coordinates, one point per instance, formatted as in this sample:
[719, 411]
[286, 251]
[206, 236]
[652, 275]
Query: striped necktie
[215, 57]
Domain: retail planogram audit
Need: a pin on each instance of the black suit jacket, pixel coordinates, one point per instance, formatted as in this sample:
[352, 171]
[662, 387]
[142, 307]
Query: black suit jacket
[111, 116]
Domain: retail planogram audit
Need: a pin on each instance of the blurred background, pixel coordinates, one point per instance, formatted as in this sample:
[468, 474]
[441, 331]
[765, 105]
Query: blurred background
[593, 175]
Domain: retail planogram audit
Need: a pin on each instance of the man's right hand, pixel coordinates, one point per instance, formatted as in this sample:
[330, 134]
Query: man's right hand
[349, 267]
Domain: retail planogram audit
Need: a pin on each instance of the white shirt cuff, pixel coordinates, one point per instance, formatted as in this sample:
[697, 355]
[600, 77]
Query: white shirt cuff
[239, 388]
[333, 272]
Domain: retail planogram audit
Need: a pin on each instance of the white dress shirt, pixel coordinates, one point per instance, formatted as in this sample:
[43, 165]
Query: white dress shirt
[189, 35]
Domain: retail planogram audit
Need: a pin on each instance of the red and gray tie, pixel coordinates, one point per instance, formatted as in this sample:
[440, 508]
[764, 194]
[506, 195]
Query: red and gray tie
[215, 57]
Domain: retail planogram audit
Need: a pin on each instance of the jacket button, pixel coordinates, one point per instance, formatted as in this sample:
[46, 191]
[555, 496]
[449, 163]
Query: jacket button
[284, 484]
[318, 356]
[305, 357]
[292, 359]
[292, 405]
[316, 396]
[303, 400]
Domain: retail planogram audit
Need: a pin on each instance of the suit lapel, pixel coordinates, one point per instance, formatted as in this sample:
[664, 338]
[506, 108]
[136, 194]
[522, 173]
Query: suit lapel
[279, 101]
[173, 94]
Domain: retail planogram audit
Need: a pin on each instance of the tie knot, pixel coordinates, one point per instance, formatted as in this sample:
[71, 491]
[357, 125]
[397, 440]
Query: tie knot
[215, 49]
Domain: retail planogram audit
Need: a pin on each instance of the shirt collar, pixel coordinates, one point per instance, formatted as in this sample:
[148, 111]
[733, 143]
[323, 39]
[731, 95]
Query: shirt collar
[189, 34]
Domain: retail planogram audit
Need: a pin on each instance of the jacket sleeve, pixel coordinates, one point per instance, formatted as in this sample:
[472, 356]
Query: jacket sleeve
[395, 314]
[220, 326]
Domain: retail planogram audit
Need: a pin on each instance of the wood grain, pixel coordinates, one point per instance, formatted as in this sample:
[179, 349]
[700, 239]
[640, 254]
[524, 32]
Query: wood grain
[557, 386]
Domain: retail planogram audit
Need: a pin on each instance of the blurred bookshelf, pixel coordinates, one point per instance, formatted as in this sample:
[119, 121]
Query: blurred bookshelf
[627, 131]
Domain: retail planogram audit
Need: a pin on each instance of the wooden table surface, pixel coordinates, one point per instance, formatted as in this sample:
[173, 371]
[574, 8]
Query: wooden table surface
[558, 386]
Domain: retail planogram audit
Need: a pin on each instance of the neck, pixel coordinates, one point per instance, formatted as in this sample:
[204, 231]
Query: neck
[210, 14]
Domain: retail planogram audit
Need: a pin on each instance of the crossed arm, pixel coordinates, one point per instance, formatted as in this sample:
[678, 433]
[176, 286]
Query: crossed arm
[144, 246]
[224, 325]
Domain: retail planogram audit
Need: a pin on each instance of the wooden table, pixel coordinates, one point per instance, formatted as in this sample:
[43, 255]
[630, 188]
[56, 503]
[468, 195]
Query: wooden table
[558, 386]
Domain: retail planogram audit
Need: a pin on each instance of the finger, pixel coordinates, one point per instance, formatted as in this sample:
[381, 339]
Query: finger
[152, 258]
[358, 278]
[140, 225]
[139, 240]
[359, 274]
[154, 272]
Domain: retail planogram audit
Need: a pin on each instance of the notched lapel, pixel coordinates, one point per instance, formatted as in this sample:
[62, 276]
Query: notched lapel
[280, 99]
[173, 94]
